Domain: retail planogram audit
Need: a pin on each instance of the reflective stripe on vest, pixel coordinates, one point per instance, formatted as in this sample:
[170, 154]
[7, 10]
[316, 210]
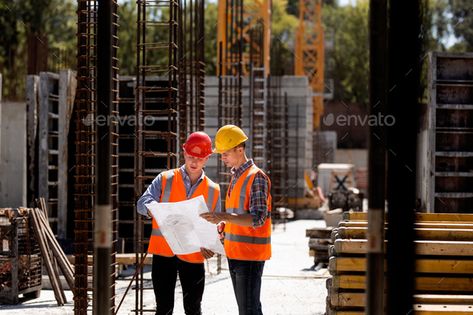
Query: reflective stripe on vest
[241, 204]
[156, 232]
[168, 187]
[210, 199]
[248, 239]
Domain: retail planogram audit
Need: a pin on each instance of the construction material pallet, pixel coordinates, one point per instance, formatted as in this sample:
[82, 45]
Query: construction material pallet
[20, 257]
[443, 264]
[319, 244]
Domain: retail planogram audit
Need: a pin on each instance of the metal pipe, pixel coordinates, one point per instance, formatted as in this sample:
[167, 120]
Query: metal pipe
[103, 209]
[403, 86]
[377, 158]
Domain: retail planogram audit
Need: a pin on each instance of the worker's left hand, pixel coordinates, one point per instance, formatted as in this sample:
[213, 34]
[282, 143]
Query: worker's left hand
[213, 217]
[206, 253]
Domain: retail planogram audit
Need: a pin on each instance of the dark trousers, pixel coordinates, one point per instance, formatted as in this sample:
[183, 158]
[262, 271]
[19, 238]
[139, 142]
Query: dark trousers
[246, 279]
[164, 274]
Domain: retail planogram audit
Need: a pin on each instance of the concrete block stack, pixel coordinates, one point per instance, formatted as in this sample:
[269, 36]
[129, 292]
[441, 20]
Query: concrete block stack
[300, 126]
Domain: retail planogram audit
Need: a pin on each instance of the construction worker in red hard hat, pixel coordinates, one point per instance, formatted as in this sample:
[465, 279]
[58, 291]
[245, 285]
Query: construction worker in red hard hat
[185, 182]
[247, 219]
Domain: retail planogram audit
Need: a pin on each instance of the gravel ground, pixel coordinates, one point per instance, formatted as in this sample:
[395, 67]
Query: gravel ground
[288, 288]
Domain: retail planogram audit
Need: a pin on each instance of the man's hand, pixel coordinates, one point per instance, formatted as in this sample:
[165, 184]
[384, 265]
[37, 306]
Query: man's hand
[213, 217]
[206, 253]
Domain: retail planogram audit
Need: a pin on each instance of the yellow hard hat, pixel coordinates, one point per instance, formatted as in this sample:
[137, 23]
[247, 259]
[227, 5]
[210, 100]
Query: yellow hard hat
[228, 137]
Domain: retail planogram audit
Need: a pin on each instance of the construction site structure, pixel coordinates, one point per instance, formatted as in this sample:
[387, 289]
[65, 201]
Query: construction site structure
[445, 142]
[157, 102]
[49, 105]
[85, 159]
[243, 51]
[309, 48]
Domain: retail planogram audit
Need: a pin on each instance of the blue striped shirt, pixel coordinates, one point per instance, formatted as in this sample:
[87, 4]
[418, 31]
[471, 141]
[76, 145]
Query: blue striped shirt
[258, 193]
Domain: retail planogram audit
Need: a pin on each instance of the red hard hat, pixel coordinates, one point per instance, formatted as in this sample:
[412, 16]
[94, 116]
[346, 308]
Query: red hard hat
[198, 144]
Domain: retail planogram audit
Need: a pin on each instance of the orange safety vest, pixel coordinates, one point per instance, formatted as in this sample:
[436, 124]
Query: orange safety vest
[174, 190]
[246, 242]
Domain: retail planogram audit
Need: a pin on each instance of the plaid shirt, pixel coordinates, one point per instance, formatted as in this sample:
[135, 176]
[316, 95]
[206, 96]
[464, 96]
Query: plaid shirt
[258, 193]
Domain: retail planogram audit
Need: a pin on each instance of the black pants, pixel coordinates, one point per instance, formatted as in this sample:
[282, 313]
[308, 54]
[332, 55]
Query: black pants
[164, 274]
[246, 280]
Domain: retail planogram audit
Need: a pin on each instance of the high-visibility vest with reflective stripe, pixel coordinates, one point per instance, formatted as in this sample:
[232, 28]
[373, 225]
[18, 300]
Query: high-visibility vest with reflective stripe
[173, 190]
[246, 242]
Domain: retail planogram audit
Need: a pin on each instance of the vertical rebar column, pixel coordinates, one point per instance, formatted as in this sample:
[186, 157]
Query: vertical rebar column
[156, 109]
[84, 179]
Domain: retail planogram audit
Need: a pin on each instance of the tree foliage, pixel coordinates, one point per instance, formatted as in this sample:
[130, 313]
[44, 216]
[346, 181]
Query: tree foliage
[52, 23]
[347, 61]
[462, 23]
[346, 33]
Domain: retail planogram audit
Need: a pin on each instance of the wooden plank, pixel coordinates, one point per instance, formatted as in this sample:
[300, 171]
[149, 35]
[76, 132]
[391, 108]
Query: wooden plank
[420, 309]
[346, 300]
[445, 266]
[425, 309]
[45, 252]
[421, 234]
[121, 259]
[32, 86]
[421, 283]
[319, 246]
[420, 216]
[358, 299]
[423, 224]
[43, 125]
[431, 248]
[324, 232]
[67, 88]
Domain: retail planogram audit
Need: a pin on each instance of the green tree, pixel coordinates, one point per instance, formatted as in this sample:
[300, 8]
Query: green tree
[347, 61]
[127, 13]
[33, 33]
[210, 42]
[462, 23]
[283, 28]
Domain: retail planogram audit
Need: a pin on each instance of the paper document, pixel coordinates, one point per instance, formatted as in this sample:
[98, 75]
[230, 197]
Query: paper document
[182, 227]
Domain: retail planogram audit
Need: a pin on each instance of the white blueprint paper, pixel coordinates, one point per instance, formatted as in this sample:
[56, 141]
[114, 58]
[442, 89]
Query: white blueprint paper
[182, 227]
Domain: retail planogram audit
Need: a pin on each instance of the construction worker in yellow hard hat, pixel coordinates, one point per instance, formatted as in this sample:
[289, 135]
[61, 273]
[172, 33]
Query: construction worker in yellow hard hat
[175, 185]
[247, 219]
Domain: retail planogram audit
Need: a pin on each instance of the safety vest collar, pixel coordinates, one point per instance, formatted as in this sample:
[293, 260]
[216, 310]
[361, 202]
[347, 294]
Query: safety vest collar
[246, 177]
[169, 175]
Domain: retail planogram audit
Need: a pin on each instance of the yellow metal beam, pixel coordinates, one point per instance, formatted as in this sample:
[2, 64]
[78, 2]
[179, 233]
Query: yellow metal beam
[256, 13]
[309, 58]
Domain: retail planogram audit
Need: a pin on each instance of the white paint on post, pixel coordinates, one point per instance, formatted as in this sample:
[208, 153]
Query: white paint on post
[103, 226]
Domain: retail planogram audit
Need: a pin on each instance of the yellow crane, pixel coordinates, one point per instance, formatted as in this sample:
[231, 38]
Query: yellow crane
[309, 58]
[235, 24]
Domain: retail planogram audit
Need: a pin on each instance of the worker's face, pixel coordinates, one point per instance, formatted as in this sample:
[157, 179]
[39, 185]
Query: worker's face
[232, 156]
[194, 165]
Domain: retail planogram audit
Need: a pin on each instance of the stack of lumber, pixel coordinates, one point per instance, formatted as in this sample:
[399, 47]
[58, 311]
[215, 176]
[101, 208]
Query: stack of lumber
[319, 243]
[444, 264]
